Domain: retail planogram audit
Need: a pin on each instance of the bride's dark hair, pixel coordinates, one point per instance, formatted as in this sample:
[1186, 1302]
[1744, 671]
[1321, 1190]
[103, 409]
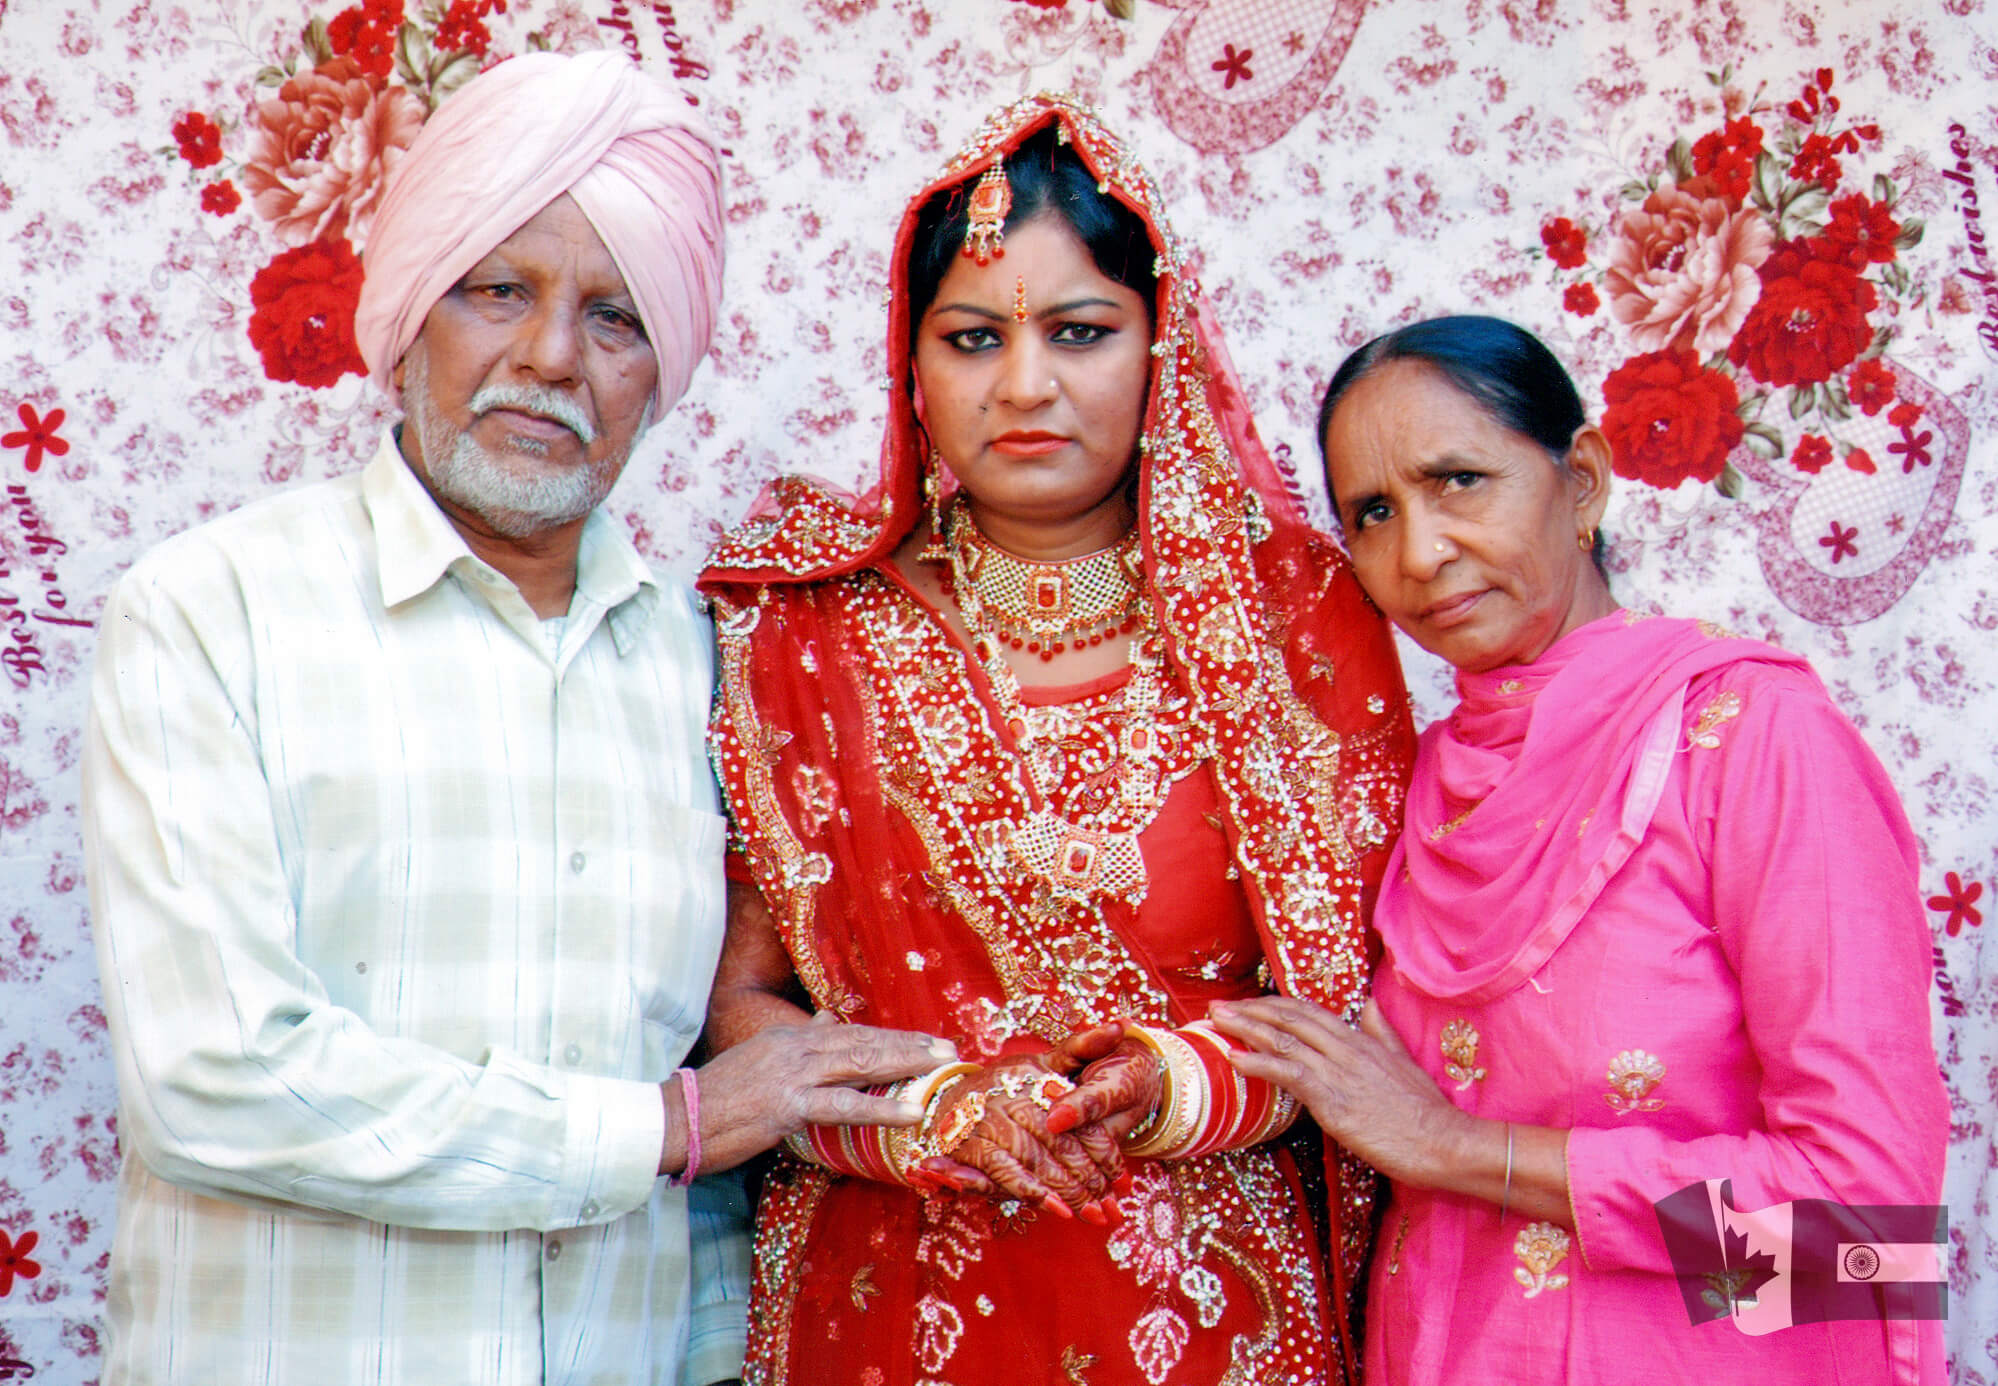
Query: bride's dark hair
[1046, 176]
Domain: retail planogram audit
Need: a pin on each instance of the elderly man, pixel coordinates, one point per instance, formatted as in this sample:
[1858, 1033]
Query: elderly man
[404, 856]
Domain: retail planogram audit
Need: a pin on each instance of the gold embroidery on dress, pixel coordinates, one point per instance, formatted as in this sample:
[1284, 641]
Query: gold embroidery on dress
[1632, 1075]
[1075, 1365]
[1715, 631]
[1394, 1252]
[1540, 1247]
[861, 1286]
[1450, 825]
[1460, 1053]
[1511, 686]
[1706, 728]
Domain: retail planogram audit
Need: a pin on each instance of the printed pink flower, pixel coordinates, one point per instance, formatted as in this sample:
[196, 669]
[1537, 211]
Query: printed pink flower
[14, 1259]
[1683, 271]
[1961, 902]
[1913, 449]
[220, 198]
[1810, 322]
[321, 149]
[199, 138]
[1670, 419]
[1567, 243]
[1871, 386]
[1842, 542]
[1812, 454]
[1580, 299]
[37, 434]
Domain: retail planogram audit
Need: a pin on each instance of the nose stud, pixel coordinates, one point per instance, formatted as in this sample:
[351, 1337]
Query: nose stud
[1439, 546]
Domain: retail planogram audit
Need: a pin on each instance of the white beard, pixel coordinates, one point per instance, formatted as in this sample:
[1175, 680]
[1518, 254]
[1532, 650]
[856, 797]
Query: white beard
[511, 493]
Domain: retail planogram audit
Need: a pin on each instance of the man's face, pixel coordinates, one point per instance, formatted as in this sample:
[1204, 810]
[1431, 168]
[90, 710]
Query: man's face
[529, 381]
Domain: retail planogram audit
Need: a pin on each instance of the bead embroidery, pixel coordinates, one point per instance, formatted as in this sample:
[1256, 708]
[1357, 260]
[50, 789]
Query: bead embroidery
[1540, 1247]
[1706, 728]
[1632, 1075]
[1460, 1053]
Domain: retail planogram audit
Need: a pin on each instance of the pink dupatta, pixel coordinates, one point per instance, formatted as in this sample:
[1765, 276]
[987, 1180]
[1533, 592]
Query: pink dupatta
[1533, 793]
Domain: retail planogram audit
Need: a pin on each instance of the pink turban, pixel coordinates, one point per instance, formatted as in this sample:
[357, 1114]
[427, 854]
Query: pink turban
[627, 147]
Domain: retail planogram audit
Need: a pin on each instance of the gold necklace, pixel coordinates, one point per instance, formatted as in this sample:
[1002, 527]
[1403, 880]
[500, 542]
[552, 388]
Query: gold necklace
[1044, 608]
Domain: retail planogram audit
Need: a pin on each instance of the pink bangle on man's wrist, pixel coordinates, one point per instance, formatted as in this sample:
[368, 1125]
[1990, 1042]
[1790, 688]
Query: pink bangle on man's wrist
[690, 1097]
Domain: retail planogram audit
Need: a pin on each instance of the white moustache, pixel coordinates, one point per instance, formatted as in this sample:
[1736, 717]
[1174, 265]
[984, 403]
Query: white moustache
[537, 399]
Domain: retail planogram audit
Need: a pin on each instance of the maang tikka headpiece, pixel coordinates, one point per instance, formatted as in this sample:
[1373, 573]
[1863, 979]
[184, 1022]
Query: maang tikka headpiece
[991, 199]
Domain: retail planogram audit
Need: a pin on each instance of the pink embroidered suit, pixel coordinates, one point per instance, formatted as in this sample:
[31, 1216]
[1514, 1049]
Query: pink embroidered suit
[1652, 888]
[925, 875]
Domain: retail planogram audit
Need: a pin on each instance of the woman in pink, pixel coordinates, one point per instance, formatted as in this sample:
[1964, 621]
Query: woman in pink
[1651, 925]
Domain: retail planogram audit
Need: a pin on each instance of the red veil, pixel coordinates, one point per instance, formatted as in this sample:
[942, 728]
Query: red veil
[884, 857]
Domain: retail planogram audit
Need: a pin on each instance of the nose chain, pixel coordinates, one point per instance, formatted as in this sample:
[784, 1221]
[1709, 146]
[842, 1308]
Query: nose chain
[1044, 608]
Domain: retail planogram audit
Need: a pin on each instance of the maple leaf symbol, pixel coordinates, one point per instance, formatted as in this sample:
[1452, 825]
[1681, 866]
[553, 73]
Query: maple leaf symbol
[1745, 1274]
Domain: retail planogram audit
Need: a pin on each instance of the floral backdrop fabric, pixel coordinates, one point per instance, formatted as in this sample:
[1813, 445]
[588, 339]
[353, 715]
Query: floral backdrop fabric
[1756, 230]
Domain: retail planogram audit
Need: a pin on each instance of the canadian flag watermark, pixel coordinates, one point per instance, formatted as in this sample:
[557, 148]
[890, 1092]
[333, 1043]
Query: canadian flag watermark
[1807, 1261]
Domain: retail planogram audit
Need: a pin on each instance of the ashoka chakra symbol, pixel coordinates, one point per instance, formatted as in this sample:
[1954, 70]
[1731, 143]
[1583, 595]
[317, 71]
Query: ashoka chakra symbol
[1862, 1262]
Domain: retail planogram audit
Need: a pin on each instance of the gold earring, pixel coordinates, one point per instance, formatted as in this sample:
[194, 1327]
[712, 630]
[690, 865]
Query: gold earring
[1586, 541]
[934, 549]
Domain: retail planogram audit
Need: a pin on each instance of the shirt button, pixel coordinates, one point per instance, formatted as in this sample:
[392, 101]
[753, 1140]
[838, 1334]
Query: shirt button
[577, 861]
[554, 1250]
[573, 1055]
[590, 1210]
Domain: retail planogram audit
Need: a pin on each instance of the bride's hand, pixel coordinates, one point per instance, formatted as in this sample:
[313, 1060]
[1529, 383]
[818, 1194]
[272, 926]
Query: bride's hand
[994, 1128]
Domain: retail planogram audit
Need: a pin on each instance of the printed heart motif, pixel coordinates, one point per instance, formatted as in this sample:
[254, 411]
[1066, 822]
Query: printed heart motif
[1235, 75]
[1842, 547]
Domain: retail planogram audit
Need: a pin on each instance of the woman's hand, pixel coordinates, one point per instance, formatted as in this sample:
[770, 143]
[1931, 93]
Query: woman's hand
[1373, 1098]
[1118, 1094]
[1010, 1150]
[1360, 1083]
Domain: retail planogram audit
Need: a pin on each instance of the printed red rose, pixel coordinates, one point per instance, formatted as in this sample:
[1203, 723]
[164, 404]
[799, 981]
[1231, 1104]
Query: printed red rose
[1670, 419]
[462, 29]
[1817, 162]
[1581, 300]
[1810, 322]
[302, 318]
[1905, 414]
[366, 34]
[1871, 386]
[1861, 233]
[221, 198]
[199, 138]
[1861, 461]
[1812, 454]
[1728, 155]
[1567, 243]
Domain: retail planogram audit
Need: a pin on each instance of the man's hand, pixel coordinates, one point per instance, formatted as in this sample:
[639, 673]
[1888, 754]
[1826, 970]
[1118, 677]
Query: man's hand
[785, 1077]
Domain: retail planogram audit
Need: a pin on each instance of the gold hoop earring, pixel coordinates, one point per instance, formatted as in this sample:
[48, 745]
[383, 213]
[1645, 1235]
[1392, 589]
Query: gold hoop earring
[1586, 541]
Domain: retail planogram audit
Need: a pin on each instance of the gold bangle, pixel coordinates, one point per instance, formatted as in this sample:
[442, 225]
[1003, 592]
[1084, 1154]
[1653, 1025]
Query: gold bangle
[907, 1146]
[1182, 1109]
[1505, 1203]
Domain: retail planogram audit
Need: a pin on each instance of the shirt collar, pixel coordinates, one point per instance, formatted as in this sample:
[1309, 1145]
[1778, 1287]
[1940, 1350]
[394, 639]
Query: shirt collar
[416, 545]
